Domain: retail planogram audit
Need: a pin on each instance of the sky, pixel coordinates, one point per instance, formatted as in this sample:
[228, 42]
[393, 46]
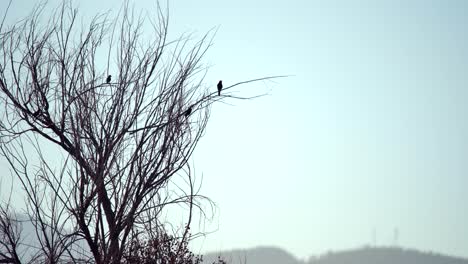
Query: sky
[367, 136]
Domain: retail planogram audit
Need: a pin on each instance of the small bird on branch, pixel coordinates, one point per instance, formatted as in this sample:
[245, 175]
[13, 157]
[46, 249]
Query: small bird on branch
[220, 87]
[188, 112]
[109, 77]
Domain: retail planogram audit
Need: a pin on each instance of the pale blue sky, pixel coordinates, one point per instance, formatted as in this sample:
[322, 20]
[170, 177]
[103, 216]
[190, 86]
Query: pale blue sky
[371, 132]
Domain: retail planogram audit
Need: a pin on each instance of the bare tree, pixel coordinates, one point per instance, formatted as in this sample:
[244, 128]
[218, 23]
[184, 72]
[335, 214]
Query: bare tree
[10, 233]
[98, 156]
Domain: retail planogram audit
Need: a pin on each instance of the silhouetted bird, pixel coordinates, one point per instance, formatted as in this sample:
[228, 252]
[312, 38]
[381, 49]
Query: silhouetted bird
[108, 80]
[220, 87]
[188, 112]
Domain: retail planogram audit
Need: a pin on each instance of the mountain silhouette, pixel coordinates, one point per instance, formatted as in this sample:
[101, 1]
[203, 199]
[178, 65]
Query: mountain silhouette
[257, 255]
[276, 255]
[366, 255]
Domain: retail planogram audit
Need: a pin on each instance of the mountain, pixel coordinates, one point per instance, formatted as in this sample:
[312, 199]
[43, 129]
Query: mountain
[367, 255]
[385, 255]
[258, 255]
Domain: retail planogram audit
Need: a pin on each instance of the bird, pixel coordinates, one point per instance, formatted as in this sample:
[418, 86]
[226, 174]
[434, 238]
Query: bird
[188, 112]
[108, 80]
[220, 86]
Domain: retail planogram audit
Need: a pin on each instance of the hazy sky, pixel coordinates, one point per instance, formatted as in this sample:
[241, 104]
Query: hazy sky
[371, 132]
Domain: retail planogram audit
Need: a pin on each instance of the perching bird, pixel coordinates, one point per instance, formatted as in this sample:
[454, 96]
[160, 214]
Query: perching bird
[108, 80]
[188, 112]
[220, 86]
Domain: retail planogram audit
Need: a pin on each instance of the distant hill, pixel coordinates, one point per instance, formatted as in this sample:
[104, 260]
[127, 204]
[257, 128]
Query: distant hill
[389, 255]
[258, 255]
[368, 255]
[275, 255]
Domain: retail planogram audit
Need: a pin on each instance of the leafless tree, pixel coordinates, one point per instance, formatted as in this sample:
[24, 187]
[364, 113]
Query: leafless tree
[98, 158]
[10, 233]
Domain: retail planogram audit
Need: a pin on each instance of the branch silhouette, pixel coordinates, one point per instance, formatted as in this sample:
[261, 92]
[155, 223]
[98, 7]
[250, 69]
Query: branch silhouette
[102, 150]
